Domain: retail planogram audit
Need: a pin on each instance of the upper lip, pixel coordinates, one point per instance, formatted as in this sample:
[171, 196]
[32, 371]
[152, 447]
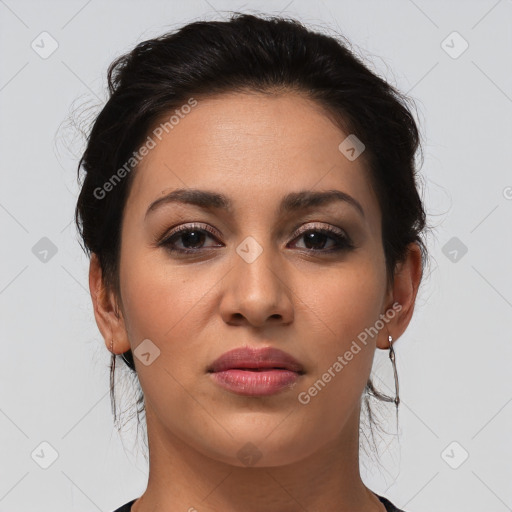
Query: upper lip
[247, 357]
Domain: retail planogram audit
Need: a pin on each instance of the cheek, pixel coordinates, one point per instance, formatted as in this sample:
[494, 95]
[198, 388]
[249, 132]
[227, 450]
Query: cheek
[346, 300]
[155, 293]
[339, 314]
[161, 305]
[166, 303]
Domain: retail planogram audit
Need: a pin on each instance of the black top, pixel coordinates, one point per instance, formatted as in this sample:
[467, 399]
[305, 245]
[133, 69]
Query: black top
[389, 506]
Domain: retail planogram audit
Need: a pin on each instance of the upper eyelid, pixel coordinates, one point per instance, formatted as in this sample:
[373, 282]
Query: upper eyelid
[319, 225]
[187, 227]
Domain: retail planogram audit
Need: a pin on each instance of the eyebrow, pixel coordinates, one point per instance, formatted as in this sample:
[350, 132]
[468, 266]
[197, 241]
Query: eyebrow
[294, 201]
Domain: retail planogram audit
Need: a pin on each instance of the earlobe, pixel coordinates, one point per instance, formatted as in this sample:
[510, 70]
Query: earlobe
[109, 319]
[403, 297]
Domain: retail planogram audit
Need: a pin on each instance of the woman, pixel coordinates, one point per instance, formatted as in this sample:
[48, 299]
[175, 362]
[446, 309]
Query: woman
[251, 211]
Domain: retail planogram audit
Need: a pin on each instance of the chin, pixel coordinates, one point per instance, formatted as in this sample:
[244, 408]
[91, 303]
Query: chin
[259, 450]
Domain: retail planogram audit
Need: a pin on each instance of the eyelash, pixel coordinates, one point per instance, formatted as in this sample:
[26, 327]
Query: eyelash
[343, 242]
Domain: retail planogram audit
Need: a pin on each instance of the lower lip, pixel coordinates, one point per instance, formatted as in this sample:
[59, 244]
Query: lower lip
[255, 383]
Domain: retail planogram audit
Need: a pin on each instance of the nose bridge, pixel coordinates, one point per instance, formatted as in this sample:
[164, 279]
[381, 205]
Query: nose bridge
[257, 289]
[255, 267]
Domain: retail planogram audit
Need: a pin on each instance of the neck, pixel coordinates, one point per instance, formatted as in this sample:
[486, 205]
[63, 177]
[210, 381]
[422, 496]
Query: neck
[182, 478]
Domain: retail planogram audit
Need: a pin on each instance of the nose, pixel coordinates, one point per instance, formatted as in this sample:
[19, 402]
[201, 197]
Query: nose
[256, 293]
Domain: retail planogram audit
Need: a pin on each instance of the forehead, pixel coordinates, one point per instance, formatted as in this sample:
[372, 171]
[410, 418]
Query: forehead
[252, 147]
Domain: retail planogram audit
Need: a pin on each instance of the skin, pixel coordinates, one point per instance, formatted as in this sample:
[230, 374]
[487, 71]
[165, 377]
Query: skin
[294, 296]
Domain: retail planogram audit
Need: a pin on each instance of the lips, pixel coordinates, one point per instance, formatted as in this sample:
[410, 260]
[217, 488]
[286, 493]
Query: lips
[256, 359]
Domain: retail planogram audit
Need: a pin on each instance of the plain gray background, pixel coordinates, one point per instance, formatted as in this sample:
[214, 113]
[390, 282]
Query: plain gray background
[453, 361]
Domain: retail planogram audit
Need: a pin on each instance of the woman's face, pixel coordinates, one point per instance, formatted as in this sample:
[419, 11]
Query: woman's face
[257, 273]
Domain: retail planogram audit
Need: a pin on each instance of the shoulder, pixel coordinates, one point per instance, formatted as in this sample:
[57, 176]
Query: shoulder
[126, 507]
[389, 506]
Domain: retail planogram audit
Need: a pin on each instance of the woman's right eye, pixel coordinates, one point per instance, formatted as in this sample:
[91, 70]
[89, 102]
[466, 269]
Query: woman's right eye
[191, 239]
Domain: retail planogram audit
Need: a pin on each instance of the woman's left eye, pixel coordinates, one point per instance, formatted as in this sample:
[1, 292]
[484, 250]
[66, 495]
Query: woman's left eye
[316, 239]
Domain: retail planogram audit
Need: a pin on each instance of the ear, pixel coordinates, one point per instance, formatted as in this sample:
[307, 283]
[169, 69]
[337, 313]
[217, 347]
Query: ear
[108, 316]
[402, 292]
